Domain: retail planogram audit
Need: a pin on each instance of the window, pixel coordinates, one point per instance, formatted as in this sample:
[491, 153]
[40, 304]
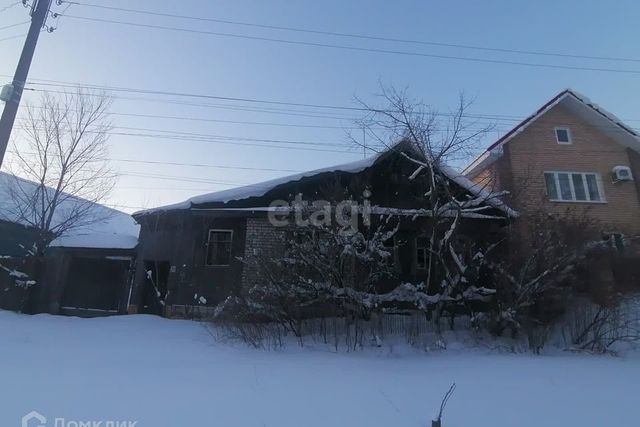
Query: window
[422, 253]
[390, 247]
[574, 186]
[219, 247]
[563, 135]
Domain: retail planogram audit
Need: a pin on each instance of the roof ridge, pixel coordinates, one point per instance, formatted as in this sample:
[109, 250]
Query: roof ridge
[542, 110]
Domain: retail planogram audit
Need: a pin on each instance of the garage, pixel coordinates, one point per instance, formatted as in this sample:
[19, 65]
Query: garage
[95, 284]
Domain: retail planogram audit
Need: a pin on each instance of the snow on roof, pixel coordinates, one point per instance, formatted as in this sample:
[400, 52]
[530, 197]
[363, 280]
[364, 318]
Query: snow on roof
[620, 131]
[375, 210]
[607, 114]
[116, 229]
[478, 190]
[260, 189]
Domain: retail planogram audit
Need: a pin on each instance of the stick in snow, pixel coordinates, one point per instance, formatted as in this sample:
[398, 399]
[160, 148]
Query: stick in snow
[445, 399]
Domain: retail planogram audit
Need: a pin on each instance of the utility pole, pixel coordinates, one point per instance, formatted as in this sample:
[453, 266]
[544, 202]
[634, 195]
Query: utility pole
[39, 12]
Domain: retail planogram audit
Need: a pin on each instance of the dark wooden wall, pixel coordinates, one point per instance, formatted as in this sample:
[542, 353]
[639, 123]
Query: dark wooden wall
[87, 279]
[180, 239]
[177, 238]
[15, 239]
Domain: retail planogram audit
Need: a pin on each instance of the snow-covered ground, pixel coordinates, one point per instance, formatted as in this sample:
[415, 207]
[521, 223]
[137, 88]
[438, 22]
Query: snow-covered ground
[173, 373]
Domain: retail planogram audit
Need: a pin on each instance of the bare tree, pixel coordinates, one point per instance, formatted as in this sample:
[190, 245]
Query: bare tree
[439, 137]
[435, 139]
[539, 274]
[601, 327]
[60, 165]
[317, 267]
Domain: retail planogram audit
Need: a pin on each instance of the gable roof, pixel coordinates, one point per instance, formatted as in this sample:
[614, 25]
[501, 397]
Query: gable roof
[260, 189]
[577, 103]
[116, 229]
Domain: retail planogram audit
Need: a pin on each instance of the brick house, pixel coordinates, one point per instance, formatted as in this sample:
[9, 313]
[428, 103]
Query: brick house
[572, 154]
[570, 157]
[192, 254]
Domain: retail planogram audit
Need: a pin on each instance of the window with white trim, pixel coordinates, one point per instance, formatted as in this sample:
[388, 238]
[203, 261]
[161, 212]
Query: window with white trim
[574, 186]
[219, 247]
[563, 135]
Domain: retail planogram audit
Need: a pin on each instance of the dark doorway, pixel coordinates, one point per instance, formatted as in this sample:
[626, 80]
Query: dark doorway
[95, 284]
[154, 290]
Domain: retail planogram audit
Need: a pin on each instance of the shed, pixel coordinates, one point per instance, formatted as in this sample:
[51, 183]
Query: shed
[87, 271]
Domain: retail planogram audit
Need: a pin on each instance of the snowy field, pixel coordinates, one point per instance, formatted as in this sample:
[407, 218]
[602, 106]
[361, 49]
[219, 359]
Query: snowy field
[173, 373]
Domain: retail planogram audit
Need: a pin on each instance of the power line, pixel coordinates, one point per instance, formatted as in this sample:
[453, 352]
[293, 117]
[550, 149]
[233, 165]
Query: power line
[207, 137]
[12, 37]
[135, 187]
[116, 206]
[486, 118]
[15, 3]
[202, 165]
[190, 95]
[241, 122]
[186, 179]
[354, 48]
[202, 119]
[67, 84]
[286, 112]
[26, 120]
[356, 36]
[197, 136]
[167, 163]
[293, 145]
[13, 25]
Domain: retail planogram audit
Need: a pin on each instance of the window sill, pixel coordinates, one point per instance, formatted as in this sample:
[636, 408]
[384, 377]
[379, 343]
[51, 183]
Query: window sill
[582, 202]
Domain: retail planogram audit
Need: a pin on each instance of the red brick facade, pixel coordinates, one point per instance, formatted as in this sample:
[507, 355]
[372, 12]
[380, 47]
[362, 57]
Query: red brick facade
[535, 150]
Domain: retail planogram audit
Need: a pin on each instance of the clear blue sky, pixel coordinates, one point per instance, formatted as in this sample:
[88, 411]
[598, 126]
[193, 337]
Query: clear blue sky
[116, 55]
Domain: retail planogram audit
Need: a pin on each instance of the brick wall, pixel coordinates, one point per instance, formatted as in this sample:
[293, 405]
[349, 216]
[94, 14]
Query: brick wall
[263, 240]
[535, 150]
[634, 158]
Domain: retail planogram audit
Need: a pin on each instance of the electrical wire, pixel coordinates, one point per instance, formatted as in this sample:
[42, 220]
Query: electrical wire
[75, 85]
[15, 3]
[353, 48]
[13, 25]
[12, 37]
[352, 35]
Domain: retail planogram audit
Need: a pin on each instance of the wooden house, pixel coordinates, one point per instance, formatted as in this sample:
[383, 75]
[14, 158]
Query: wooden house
[193, 254]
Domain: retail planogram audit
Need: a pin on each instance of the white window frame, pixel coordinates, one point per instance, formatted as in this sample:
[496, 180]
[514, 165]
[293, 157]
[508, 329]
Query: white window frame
[206, 254]
[599, 183]
[568, 130]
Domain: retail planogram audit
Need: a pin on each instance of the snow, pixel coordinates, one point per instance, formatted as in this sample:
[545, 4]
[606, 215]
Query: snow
[257, 190]
[117, 230]
[607, 114]
[477, 190]
[374, 210]
[168, 373]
